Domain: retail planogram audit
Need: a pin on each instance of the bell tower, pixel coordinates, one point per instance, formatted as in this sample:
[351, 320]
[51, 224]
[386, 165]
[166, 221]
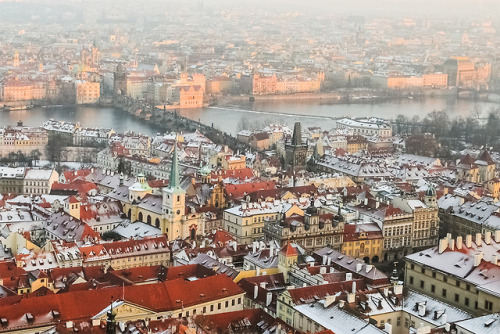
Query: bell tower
[174, 198]
[430, 198]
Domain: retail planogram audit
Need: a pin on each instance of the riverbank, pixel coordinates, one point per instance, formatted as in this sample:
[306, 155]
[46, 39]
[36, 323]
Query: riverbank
[311, 113]
[360, 96]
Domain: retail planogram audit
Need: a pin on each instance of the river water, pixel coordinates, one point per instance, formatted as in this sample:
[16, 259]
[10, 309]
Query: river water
[227, 118]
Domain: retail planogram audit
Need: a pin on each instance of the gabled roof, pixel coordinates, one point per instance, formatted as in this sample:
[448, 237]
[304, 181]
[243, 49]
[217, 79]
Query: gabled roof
[81, 305]
[289, 250]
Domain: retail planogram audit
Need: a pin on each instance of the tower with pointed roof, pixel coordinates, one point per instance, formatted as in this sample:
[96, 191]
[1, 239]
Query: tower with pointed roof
[430, 198]
[174, 197]
[177, 222]
[486, 167]
[287, 257]
[295, 151]
[120, 80]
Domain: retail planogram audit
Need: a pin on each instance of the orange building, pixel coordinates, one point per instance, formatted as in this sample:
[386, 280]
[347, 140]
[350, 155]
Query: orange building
[462, 72]
[190, 96]
[87, 92]
[264, 84]
[234, 162]
[435, 80]
[288, 84]
[23, 90]
[404, 82]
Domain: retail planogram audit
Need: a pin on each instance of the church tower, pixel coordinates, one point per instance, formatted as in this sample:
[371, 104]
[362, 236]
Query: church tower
[295, 151]
[174, 201]
[430, 198]
[15, 61]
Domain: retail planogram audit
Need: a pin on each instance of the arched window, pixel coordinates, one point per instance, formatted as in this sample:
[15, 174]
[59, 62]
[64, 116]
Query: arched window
[157, 222]
[149, 219]
[140, 216]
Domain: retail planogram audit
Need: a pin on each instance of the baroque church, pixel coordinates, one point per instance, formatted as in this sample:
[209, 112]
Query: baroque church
[167, 211]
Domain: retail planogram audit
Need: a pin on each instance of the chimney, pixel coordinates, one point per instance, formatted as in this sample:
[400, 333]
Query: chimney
[421, 309]
[443, 244]
[359, 266]
[351, 298]
[448, 236]
[271, 250]
[377, 204]
[398, 289]
[324, 259]
[322, 270]
[452, 244]
[494, 260]
[329, 300]
[255, 291]
[459, 242]
[193, 181]
[341, 304]
[258, 271]
[479, 239]
[263, 285]
[332, 270]
[354, 287]
[329, 261]
[447, 327]
[468, 241]
[366, 201]
[487, 238]
[497, 236]
[254, 247]
[477, 258]
[388, 328]
[348, 276]
[269, 298]
[368, 268]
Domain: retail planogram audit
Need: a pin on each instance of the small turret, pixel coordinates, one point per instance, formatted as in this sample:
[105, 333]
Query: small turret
[110, 321]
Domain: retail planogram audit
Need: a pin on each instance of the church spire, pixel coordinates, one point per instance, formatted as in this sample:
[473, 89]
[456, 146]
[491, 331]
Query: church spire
[297, 135]
[174, 170]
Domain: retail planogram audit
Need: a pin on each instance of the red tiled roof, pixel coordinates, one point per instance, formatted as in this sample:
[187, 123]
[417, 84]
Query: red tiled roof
[289, 250]
[239, 190]
[81, 305]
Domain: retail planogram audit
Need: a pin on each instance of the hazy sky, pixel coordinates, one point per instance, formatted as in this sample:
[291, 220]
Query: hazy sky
[408, 7]
[388, 8]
